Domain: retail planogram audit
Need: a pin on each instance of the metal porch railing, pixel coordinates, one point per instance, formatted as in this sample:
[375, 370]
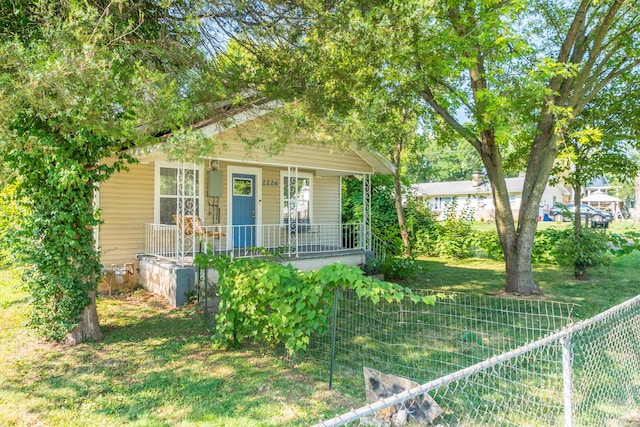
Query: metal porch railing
[256, 240]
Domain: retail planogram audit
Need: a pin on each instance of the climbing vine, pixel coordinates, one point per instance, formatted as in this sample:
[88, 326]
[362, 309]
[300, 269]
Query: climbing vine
[77, 81]
[272, 303]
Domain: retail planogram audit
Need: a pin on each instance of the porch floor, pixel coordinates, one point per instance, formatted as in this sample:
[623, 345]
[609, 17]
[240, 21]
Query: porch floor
[306, 252]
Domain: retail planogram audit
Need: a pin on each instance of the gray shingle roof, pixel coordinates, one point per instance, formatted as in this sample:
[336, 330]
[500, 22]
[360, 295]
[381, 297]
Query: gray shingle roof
[464, 188]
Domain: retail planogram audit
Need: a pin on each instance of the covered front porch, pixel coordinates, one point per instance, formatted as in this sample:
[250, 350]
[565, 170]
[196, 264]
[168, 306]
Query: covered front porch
[167, 265]
[233, 223]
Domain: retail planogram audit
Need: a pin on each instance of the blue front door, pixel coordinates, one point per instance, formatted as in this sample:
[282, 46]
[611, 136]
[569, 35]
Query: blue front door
[243, 210]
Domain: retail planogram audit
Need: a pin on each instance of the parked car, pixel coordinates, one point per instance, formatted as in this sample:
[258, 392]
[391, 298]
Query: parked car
[564, 212]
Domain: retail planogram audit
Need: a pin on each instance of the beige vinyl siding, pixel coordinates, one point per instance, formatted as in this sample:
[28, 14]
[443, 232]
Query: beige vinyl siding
[313, 155]
[326, 200]
[271, 198]
[126, 202]
[325, 203]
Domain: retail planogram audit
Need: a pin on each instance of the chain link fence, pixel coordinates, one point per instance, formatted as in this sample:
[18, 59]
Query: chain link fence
[484, 361]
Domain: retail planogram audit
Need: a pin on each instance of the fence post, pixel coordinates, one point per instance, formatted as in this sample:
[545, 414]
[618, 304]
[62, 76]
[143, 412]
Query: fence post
[205, 290]
[567, 380]
[333, 336]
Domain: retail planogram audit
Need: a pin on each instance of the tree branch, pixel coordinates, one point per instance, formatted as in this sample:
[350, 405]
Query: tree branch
[428, 96]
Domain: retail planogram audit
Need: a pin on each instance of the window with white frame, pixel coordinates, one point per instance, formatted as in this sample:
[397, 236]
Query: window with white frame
[440, 203]
[167, 193]
[296, 196]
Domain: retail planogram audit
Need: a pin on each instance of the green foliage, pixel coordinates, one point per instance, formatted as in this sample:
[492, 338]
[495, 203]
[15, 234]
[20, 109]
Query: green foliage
[422, 227]
[272, 303]
[399, 267]
[585, 249]
[384, 218]
[488, 244]
[76, 83]
[624, 243]
[456, 235]
[506, 77]
[560, 246]
[545, 245]
[11, 215]
[456, 162]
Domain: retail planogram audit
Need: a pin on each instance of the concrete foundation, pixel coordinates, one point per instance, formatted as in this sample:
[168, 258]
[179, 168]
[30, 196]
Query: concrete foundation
[168, 280]
[177, 284]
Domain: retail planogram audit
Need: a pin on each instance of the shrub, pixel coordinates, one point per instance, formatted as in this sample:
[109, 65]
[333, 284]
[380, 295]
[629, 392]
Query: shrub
[274, 304]
[583, 250]
[421, 227]
[455, 234]
[625, 243]
[489, 244]
[545, 243]
[395, 268]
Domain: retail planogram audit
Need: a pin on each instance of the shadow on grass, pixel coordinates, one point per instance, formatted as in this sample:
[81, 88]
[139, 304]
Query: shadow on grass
[8, 304]
[156, 366]
[473, 275]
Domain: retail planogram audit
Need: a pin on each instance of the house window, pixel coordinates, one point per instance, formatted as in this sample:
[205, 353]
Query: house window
[167, 193]
[296, 196]
[440, 203]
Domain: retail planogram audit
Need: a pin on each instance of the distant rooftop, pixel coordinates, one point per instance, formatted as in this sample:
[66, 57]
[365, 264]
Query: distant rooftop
[467, 188]
[464, 188]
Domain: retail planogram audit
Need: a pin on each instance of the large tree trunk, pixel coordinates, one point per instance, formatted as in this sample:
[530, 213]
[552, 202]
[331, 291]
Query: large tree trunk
[517, 243]
[518, 271]
[400, 211]
[89, 328]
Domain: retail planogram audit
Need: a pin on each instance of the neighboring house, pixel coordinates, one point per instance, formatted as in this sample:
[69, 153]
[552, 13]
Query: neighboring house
[473, 197]
[597, 185]
[288, 203]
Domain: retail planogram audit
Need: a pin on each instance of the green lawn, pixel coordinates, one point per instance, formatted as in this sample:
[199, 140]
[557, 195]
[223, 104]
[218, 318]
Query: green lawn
[606, 287]
[156, 366]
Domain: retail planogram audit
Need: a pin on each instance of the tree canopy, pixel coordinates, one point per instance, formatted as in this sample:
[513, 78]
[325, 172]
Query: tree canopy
[80, 83]
[509, 78]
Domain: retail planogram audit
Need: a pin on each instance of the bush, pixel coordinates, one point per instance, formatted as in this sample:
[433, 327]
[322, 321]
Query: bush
[422, 228]
[625, 243]
[489, 244]
[395, 268]
[455, 235]
[545, 243]
[583, 250]
[272, 303]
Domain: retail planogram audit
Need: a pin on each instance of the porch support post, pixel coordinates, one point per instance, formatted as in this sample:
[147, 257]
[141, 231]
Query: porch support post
[180, 211]
[293, 201]
[366, 212]
[187, 187]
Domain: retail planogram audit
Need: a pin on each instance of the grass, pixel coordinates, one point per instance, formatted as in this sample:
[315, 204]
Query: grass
[606, 286]
[156, 366]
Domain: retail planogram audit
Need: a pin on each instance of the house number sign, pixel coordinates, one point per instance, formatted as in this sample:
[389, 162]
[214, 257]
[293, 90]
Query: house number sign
[270, 182]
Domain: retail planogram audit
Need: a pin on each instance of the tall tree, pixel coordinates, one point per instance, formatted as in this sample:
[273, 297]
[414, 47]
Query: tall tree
[80, 82]
[519, 72]
[602, 141]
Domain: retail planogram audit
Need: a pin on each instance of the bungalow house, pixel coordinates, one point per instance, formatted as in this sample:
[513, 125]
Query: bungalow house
[160, 213]
[474, 197]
